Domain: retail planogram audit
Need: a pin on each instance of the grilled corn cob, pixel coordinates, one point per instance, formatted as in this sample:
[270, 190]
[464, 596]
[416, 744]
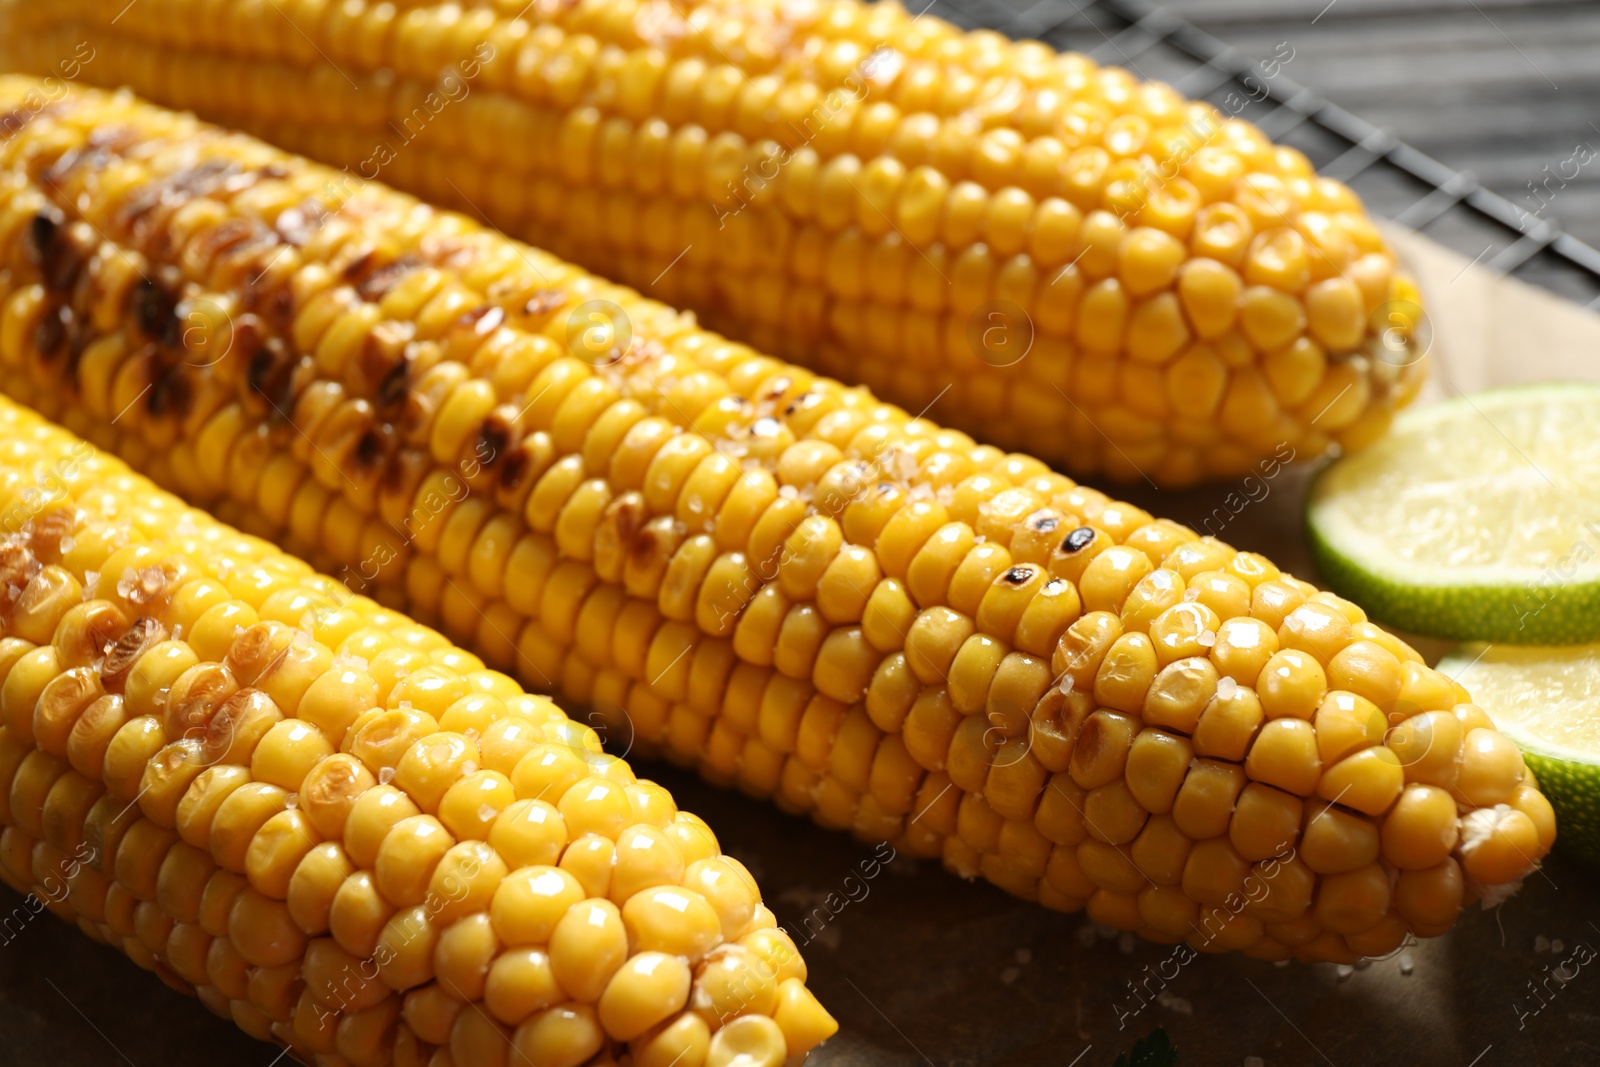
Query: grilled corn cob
[1050, 255]
[746, 567]
[333, 827]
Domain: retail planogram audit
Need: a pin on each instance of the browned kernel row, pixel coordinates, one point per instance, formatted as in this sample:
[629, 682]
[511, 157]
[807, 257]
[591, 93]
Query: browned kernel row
[333, 827]
[1190, 298]
[781, 580]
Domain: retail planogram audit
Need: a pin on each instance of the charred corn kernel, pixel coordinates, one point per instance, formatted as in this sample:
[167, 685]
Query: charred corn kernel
[1057, 240]
[784, 581]
[293, 885]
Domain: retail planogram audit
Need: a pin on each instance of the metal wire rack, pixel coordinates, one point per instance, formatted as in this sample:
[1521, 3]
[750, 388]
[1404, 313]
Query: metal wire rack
[1395, 180]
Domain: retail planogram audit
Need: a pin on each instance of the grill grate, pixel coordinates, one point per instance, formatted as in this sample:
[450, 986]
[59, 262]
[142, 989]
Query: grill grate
[1395, 180]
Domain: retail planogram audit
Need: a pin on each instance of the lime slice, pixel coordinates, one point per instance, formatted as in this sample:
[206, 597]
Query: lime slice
[1547, 700]
[1477, 518]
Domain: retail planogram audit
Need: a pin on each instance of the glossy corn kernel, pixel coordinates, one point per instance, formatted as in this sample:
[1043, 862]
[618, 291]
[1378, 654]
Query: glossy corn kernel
[318, 886]
[735, 564]
[1049, 254]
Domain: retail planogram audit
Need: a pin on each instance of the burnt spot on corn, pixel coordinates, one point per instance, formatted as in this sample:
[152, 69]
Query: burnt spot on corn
[1078, 539]
[68, 693]
[775, 391]
[171, 392]
[334, 782]
[358, 267]
[257, 651]
[278, 307]
[103, 146]
[394, 386]
[141, 637]
[271, 374]
[14, 121]
[421, 404]
[226, 237]
[1043, 522]
[543, 302]
[296, 225]
[266, 293]
[381, 350]
[62, 264]
[482, 320]
[50, 335]
[175, 190]
[809, 398]
[1020, 575]
[374, 280]
[202, 179]
[1093, 742]
[42, 230]
[65, 258]
[234, 720]
[18, 565]
[249, 336]
[624, 518]
[497, 435]
[646, 547]
[97, 624]
[372, 449]
[138, 204]
[48, 529]
[404, 471]
[149, 586]
[69, 161]
[155, 311]
[115, 137]
[80, 332]
[516, 467]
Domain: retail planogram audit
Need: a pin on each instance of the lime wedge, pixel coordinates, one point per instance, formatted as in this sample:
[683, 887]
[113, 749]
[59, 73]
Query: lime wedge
[1547, 700]
[1477, 518]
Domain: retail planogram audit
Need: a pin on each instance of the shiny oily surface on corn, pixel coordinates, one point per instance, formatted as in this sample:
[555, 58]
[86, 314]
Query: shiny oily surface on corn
[1057, 257]
[743, 567]
[332, 826]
